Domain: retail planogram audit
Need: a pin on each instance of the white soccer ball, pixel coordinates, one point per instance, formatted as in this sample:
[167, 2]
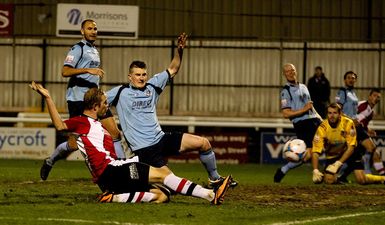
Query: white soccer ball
[294, 150]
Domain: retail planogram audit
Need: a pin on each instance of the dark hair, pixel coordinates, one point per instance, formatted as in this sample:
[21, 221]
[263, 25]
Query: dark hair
[137, 64]
[92, 97]
[335, 105]
[374, 90]
[85, 21]
[350, 72]
[318, 68]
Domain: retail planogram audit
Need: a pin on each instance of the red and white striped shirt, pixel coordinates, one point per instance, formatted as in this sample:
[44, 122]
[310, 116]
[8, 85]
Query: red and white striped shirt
[94, 142]
[365, 113]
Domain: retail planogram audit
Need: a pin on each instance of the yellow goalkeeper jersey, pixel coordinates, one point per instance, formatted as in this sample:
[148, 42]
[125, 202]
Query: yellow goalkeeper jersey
[334, 141]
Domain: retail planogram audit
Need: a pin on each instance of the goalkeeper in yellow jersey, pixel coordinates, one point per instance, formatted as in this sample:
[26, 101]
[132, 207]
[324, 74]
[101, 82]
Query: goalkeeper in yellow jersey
[336, 136]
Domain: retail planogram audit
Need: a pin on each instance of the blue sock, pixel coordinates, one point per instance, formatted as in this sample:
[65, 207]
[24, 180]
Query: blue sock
[119, 149]
[290, 165]
[61, 152]
[367, 158]
[210, 163]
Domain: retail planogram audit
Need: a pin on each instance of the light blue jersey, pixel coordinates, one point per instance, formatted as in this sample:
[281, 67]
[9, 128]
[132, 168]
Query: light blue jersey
[82, 55]
[295, 97]
[349, 101]
[136, 109]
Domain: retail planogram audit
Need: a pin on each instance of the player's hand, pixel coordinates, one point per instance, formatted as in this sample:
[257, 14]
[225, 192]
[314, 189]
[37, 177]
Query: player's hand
[182, 40]
[308, 106]
[317, 176]
[97, 72]
[39, 89]
[333, 168]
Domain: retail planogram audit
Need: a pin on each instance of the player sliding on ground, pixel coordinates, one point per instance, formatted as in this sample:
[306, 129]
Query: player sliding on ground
[121, 180]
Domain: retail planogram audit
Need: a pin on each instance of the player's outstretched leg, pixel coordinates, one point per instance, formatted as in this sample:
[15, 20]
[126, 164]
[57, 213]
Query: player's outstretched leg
[186, 187]
[281, 172]
[62, 151]
[207, 157]
[155, 196]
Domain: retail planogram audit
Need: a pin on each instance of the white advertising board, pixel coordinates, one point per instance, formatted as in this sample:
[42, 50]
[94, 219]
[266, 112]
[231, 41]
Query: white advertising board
[27, 143]
[113, 21]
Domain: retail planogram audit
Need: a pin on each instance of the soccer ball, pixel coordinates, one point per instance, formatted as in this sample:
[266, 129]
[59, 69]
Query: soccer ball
[294, 150]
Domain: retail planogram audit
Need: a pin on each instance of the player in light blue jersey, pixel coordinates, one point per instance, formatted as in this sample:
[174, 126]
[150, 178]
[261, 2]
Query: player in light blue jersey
[136, 107]
[347, 98]
[82, 66]
[297, 106]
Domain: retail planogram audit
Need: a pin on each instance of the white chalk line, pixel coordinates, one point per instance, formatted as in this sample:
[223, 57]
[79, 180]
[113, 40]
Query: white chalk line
[76, 221]
[328, 218]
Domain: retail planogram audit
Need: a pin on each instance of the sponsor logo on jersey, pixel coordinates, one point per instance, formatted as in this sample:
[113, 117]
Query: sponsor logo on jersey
[134, 172]
[141, 104]
[69, 59]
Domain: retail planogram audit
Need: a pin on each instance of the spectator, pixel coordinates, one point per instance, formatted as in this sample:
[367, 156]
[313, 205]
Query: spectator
[319, 89]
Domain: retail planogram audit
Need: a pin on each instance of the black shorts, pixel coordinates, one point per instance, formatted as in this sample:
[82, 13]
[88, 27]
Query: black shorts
[362, 134]
[354, 162]
[77, 108]
[156, 155]
[128, 177]
[305, 130]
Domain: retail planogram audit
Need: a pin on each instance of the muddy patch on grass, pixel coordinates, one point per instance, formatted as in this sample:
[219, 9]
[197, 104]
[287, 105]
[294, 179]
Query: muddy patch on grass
[317, 196]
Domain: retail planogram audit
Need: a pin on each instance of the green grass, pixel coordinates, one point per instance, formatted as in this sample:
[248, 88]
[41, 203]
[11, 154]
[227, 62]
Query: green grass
[69, 197]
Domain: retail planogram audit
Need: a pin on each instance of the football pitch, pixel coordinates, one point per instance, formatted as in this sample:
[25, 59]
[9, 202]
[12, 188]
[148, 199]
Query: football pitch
[69, 197]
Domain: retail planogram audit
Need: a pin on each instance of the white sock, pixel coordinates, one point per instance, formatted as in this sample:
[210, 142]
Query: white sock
[186, 187]
[379, 166]
[134, 197]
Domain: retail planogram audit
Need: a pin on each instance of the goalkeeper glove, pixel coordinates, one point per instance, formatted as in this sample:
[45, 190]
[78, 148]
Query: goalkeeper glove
[333, 168]
[317, 176]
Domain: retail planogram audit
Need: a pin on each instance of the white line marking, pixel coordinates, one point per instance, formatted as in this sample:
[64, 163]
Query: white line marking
[328, 218]
[76, 221]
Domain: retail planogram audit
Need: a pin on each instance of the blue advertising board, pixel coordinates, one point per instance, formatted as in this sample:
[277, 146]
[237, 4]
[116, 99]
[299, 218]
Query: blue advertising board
[272, 145]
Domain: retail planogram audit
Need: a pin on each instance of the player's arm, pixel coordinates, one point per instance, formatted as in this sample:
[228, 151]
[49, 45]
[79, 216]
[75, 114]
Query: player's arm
[289, 113]
[317, 175]
[340, 98]
[315, 160]
[347, 154]
[351, 142]
[68, 71]
[55, 116]
[318, 144]
[176, 62]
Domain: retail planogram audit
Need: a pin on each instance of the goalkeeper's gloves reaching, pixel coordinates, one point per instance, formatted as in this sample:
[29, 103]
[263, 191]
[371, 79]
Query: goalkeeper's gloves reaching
[317, 176]
[333, 168]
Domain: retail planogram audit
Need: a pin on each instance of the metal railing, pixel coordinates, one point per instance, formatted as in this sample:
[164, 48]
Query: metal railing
[190, 121]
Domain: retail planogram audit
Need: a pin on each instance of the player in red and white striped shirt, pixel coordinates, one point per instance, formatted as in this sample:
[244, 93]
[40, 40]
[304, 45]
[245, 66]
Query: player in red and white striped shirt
[121, 180]
[365, 114]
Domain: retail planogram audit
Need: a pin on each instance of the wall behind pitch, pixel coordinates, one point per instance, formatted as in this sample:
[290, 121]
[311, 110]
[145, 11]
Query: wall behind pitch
[273, 20]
